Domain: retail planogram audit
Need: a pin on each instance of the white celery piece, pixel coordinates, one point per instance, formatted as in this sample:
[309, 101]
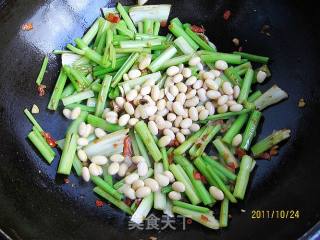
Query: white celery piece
[168, 208]
[69, 58]
[154, 12]
[162, 81]
[140, 43]
[164, 56]
[128, 85]
[270, 97]
[76, 61]
[108, 145]
[84, 65]
[184, 46]
[159, 202]
[205, 219]
[143, 210]
[78, 97]
[91, 33]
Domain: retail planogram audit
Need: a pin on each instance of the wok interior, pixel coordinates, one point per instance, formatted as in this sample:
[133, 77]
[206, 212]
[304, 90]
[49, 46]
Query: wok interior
[37, 204]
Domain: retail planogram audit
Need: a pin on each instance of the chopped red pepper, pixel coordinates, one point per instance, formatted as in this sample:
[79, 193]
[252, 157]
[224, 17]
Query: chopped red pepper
[49, 139]
[127, 201]
[170, 158]
[203, 179]
[27, 26]
[240, 152]
[99, 203]
[41, 90]
[112, 17]
[197, 175]
[189, 221]
[204, 218]
[197, 29]
[232, 166]
[226, 15]
[163, 23]
[274, 150]
[269, 154]
[127, 151]
[66, 180]
[174, 143]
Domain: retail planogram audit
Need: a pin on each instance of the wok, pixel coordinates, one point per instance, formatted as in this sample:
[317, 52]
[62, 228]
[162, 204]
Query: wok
[35, 203]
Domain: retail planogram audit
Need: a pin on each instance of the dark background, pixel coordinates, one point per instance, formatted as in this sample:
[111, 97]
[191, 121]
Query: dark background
[36, 204]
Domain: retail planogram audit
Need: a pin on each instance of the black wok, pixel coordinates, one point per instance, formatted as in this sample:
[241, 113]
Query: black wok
[37, 204]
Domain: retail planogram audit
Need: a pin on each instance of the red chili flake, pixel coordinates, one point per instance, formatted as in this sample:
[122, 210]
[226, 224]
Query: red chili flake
[66, 180]
[27, 26]
[163, 23]
[170, 158]
[115, 145]
[197, 175]
[203, 179]
[41, 90]
[114, 18]
[127, 201]
[189, 221]
[204, 218]
[274, 150]
[197, 29]
[226, 15]
[232, 166]
[240, 152]
[269, 154]
[174, 143]
[99, 203]
[49, 139]
[127, 151]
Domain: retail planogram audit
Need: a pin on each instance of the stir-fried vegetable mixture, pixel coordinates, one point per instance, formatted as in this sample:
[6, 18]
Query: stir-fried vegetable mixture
[144, 107]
